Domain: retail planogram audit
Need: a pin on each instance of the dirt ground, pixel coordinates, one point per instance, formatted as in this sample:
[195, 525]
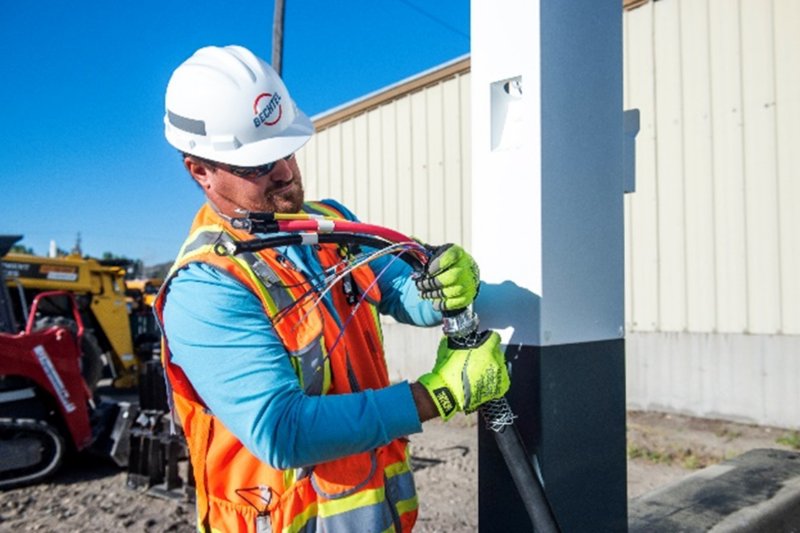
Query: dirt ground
[91, 495]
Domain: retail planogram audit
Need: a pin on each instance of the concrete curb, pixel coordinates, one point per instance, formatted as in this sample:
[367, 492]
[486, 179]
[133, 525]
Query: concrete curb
[758, 491]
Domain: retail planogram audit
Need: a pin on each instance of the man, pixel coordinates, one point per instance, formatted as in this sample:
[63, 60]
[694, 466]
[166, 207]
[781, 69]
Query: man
[285, 401]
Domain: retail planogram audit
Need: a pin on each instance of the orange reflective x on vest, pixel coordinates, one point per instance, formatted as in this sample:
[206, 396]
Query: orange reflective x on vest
[369, 491]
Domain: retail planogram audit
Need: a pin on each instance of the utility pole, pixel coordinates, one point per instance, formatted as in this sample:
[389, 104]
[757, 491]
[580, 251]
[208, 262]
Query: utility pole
[277, 36]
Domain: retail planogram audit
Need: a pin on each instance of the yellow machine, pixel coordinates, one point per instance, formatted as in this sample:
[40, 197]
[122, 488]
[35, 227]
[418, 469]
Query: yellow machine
[144, 290]
[100, 292]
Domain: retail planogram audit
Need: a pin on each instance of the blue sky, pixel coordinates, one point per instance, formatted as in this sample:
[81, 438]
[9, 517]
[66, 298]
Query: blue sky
[81, 140]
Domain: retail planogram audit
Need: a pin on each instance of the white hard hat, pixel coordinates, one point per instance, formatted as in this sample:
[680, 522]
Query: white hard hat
[227, 105]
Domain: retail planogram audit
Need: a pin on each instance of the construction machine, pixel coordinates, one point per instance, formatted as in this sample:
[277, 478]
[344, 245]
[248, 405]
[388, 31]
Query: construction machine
[62, 324]
[116, 340]
[143, 291]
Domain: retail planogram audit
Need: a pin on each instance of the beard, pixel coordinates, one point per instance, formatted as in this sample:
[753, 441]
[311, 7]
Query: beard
[288, 201]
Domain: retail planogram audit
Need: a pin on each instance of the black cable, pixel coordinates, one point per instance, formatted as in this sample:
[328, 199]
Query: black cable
[297, 239]
[497, 413]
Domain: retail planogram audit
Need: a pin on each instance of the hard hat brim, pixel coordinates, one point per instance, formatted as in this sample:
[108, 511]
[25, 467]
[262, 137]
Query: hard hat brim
[254, 154]
[274, 148]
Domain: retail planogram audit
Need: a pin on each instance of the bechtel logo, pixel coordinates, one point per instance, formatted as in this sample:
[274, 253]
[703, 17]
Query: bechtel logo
[265, 106]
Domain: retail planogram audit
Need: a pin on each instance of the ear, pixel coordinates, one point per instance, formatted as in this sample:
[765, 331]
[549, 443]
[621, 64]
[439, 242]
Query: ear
[200, 172]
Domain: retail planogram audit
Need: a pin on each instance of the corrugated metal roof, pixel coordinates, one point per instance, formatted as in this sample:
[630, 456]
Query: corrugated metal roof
[381, 96]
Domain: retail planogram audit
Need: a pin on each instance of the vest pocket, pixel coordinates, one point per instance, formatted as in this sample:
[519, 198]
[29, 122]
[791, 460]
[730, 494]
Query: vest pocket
[343, 477]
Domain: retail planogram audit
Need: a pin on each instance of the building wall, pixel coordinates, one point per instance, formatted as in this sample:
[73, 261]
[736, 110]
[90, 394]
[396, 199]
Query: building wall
[402, 163]
[712, 241]
[711, 236]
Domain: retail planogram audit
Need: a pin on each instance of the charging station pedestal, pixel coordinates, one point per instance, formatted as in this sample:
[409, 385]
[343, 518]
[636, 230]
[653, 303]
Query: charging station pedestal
[547, 226]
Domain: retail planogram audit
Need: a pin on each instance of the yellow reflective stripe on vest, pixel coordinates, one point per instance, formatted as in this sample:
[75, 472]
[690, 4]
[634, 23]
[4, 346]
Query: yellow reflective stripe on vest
[309, 363]
[203, 240]
[268, 296]
[303, 521]
[407, 506]
[313, 368]
[394, 469]
[351, 513]
[363, 507]
[400, 488]
[201, 236]
[376, 316]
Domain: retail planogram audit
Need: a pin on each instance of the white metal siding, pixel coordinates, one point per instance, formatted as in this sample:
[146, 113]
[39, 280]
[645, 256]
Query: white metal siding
[712, 236]
[712, 241]
[403, 164]
[787, 98]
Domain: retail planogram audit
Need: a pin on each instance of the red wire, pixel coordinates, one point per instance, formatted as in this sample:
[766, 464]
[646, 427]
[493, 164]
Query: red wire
[345, 226]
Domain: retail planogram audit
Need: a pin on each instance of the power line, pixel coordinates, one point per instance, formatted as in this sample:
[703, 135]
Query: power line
[434, 18]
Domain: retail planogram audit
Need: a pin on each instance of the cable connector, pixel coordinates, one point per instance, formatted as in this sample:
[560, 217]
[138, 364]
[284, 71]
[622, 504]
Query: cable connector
[256, 222]
[460, 324]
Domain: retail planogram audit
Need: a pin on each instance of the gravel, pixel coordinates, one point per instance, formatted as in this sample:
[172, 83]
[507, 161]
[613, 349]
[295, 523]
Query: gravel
[91, 494]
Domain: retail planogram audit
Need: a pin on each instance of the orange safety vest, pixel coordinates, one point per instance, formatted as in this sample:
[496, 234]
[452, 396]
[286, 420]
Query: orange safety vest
[369, 491]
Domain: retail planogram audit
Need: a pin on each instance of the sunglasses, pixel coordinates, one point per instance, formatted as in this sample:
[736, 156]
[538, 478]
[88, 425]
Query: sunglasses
[249, 172]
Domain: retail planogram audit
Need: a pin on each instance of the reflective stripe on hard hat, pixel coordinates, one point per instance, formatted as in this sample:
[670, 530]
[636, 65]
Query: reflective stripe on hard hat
[227, 105]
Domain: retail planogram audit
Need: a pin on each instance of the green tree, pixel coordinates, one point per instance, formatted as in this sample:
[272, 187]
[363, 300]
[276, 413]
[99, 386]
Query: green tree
[21, 249]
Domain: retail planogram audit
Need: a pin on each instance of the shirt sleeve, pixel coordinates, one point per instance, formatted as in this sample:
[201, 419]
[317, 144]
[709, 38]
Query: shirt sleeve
[222, 340]
[399, 295]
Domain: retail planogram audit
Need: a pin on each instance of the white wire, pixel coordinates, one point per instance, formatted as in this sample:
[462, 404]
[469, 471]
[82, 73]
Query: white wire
[361, 260]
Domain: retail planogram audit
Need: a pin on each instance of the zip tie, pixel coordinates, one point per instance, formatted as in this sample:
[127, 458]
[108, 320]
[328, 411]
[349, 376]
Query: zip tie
[309, 238]
[325, 226]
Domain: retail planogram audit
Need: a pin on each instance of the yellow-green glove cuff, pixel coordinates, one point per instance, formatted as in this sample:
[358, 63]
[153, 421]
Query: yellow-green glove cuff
[441, 395]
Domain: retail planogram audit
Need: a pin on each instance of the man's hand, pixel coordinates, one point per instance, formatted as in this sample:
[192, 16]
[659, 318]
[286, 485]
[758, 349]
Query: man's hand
[465, 378]
[451, 278]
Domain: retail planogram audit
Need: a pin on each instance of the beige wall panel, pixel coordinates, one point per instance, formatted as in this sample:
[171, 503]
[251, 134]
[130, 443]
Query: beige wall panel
[360, 154]
[642, 222]
[787, 98]
[403, 163]
[307, 161]
[465, 134]
[626, 104]
[388, 166]
[728, 149]
[348, 165]
[758, 96]
[335, 167]
[697, 167]
[419, 167]
[434, 157]
[314, 163]
[375, 153]
[669, 167]
[405, 185]
[453, 201]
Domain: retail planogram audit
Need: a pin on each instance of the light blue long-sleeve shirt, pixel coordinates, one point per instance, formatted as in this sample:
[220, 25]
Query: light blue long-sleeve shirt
[225, 344]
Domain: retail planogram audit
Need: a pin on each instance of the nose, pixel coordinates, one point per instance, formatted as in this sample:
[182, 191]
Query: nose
[282, 172]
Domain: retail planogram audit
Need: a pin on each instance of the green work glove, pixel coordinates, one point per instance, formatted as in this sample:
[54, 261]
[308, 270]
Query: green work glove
[465, 378]
[451, 278]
